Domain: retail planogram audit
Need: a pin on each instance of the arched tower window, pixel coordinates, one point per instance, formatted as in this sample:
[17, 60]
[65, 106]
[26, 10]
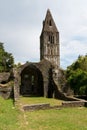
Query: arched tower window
[51, 52]
[50, 23]
[51, 38]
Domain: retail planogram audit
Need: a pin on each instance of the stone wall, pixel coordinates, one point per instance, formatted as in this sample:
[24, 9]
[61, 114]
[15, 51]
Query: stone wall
[6, 92]
[4, 77]
[36, 107]
[6, 86]
[44, 106]
[74, 104]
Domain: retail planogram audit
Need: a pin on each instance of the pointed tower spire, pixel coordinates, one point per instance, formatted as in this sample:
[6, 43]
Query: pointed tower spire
[49, 40]
[48, 23]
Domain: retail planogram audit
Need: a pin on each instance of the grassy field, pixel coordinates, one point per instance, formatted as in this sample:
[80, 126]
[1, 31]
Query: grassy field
[8, 115]
[63, 119]
[37, 100]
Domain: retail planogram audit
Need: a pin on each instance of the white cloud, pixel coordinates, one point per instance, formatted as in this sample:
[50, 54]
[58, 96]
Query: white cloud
[21, 24]
[24, 43]
[71, 51]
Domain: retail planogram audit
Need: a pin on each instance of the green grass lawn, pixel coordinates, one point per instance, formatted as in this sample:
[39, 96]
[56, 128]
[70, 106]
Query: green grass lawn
[8, 115]
[63, 119]
[38, 100]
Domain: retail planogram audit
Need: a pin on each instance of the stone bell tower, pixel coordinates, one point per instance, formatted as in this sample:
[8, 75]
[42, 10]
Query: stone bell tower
[49, 41]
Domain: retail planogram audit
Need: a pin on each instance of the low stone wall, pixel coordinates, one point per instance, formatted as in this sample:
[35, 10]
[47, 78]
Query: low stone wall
[74, 104]
[36, 107]
[47, 106]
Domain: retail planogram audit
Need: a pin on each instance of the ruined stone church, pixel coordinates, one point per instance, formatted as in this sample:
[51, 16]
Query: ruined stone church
[45, 78]
[41, 79]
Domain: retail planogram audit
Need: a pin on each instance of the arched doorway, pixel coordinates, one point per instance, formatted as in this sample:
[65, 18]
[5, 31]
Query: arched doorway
[31, 81]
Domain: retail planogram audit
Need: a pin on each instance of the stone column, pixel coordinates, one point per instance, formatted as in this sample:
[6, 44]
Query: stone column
[16, 84]
[46, 89]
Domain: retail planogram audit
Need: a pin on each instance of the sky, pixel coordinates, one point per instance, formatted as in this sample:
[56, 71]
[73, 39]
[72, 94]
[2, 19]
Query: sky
[21, 25]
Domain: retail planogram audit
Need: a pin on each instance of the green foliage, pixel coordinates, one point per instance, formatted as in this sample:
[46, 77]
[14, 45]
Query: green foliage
[18, 65]
[77, 75]
[6, 60]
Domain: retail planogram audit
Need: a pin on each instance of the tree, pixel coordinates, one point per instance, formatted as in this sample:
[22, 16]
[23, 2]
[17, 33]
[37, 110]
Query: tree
[6, 60]
[77, 75]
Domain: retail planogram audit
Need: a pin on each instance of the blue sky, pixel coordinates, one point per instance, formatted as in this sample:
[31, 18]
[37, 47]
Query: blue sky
[21, 25]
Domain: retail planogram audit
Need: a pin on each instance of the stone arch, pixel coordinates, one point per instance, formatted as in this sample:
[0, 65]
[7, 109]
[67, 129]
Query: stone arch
[31, 81]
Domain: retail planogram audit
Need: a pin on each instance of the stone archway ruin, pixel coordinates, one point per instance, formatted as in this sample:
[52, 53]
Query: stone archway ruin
[31, 81]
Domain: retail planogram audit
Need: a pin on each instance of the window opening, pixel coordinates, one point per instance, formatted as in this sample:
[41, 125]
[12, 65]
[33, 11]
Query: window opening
[50, 23]
[32, 79]
[49, 38]
[32, 83]
[51, 52]
[53, 39]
